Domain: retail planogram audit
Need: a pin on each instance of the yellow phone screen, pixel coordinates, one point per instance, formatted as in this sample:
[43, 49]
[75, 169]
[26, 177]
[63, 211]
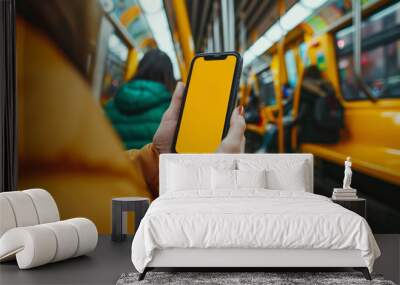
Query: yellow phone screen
[206, 105]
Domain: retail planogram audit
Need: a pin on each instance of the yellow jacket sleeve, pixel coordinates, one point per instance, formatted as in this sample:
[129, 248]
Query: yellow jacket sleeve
[145, 162]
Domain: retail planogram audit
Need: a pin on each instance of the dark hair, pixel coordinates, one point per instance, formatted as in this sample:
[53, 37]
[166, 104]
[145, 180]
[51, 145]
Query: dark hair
[312, 72]
[156, 66]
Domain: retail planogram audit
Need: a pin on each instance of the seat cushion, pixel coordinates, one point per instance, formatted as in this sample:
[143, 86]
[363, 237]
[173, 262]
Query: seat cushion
[46, 207]
[7, 220]
[87, 234]
[32, 246]
[26, 208]
[23, 208]
[67, 240]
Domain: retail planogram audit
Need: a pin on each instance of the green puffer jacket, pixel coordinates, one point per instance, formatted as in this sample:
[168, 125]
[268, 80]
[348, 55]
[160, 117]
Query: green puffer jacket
[136, 111]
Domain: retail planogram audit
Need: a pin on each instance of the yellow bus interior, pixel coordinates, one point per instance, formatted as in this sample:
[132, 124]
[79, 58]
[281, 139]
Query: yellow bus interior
[275, 52]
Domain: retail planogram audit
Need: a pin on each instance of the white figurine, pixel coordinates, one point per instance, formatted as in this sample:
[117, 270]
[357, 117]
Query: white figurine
[347, 173]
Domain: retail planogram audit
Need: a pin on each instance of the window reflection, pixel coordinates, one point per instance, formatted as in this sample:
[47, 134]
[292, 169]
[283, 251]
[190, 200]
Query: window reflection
[267, 89]
[380, 57]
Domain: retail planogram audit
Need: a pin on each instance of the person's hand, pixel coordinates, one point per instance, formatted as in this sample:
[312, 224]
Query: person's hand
[234, 140]
[163, 138]
[164, 135]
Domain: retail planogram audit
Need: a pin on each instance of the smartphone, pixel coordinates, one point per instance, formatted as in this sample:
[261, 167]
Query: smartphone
[208, 102]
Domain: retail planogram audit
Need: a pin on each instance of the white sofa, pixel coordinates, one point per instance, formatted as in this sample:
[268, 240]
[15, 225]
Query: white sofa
[31, 230]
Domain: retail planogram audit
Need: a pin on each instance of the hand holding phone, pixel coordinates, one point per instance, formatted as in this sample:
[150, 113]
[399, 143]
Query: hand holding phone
[163, 139]
[208, 102]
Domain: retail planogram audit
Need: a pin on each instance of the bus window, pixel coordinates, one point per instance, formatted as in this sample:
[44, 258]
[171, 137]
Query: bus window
[303, 54]
[380, 57]
[291, 68]
[117, 54]
[267, 91]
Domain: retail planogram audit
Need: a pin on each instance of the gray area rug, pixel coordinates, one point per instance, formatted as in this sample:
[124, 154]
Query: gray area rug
[231, 278]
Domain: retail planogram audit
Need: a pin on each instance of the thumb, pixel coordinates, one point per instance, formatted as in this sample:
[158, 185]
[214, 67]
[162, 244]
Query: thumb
[237, 125]
[172, 112]
[234, 140]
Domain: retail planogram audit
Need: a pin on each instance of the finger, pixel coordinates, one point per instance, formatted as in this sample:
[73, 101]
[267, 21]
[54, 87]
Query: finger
[243, 144]
[241, 110]
[237, 125]
[172, 112]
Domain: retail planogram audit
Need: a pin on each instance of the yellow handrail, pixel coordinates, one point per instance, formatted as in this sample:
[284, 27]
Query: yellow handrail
[295, 110]
[184, 33]
[281, 70]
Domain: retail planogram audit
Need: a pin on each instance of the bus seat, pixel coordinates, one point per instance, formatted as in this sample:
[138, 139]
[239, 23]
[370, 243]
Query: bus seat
[256, 129]
[379, 162]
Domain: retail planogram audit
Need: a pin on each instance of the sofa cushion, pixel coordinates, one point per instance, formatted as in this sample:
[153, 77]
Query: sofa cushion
[23, 208]
[45, 206]
[7, 220]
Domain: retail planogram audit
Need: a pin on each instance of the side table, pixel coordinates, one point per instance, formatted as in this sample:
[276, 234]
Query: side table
[358, 205]
[120, 206]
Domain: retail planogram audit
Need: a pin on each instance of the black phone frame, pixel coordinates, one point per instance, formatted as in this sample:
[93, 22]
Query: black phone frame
[232, 96]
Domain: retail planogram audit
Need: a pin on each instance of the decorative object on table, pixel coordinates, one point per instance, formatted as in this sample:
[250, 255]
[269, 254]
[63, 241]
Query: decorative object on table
[31, 230]
[347, 173]
[345, 193]
[248, 278]
[357, 205]
[120, 206]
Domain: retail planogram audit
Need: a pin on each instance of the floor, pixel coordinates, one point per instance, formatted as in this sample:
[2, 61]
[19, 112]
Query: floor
[103, 266]
[110, 260]
[389, 262]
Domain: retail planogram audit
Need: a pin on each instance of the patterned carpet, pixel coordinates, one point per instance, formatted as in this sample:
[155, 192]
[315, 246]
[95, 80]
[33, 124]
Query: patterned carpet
[231, 278]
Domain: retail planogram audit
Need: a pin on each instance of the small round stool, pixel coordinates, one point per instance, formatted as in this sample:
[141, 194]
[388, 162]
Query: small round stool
[120, 206]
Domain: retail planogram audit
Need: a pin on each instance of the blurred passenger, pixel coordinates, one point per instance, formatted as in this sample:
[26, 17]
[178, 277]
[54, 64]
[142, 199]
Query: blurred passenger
[320, 115]
[270, 138]
[253, 116]
[287, 91]
[136, 110]
[253, 109]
